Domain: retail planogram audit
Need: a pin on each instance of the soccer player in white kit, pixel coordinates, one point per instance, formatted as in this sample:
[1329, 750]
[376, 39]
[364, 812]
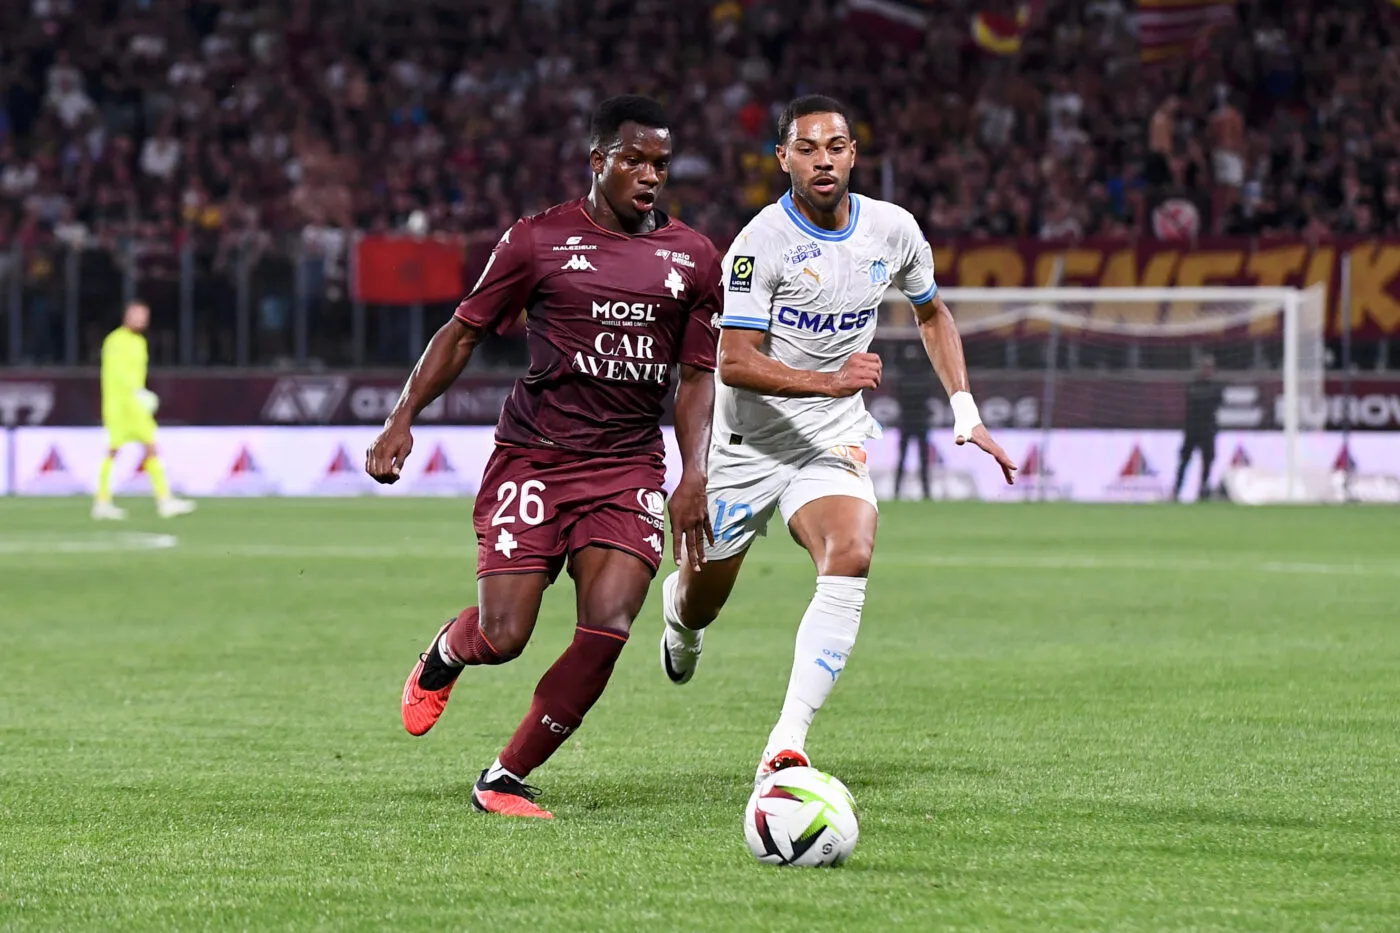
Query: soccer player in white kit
[802, 285]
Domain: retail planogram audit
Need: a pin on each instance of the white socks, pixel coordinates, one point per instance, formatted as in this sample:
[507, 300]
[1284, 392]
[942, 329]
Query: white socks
[497, 770]
[688, 637]
[824, 642]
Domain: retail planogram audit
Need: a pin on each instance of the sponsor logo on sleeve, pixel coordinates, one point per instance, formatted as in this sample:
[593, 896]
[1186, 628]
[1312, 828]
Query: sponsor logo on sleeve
[741, 274]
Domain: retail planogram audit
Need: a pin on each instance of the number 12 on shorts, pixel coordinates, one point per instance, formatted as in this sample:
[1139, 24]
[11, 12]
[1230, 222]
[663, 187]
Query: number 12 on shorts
[735, 515]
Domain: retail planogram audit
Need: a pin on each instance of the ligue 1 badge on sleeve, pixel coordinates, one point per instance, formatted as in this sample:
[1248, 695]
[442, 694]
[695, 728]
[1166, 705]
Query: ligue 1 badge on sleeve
[741, 274]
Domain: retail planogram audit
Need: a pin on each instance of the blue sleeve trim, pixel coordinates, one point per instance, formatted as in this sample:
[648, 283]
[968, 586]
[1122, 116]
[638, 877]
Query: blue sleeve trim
[926, 297]
[743, 324]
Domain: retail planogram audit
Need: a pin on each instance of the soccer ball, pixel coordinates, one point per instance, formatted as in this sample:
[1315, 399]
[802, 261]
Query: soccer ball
[801, 816]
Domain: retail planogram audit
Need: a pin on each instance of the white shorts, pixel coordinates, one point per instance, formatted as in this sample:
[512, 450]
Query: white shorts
[746, 487]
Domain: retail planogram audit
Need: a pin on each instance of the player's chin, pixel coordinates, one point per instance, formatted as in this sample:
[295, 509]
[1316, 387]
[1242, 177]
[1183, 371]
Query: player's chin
[641, 203]
[825, 197]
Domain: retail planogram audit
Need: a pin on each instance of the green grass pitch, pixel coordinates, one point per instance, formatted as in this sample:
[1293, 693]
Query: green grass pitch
[1058, 718]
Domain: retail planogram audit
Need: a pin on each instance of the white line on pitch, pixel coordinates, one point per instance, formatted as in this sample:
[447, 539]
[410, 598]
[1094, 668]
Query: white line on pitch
[92, 543]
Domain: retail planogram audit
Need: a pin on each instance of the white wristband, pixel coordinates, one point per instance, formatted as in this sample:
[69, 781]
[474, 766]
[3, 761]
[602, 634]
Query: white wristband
[965, 416]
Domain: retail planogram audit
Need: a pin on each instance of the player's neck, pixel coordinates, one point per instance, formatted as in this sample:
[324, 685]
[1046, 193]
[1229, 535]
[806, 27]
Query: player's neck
[602, 214]
[837, 219]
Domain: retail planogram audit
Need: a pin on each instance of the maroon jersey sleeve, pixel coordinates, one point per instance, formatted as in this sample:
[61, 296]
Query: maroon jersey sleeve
[504, 289]
[700, 337]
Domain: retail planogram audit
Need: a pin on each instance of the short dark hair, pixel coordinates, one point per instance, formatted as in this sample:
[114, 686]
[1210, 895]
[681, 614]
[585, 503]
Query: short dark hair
[806, 106]
[604, 130]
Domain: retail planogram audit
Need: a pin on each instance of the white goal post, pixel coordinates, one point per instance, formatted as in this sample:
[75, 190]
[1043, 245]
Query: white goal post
[1124, 359]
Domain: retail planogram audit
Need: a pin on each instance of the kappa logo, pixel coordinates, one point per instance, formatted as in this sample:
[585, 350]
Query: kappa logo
[579, 263]
[674, 283]
[653, 501]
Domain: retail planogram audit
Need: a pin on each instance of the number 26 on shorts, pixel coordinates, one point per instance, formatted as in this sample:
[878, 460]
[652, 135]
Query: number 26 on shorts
[729, 519]
[530, 507]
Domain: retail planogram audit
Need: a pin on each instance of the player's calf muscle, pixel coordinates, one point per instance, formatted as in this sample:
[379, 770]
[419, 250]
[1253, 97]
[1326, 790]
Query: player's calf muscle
[702, 594]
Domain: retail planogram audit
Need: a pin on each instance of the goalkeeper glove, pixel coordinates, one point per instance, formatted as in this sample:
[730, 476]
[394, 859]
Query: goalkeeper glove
[148, 401]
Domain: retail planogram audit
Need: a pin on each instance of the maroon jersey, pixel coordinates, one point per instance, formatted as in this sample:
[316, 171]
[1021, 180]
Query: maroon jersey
[607, 317]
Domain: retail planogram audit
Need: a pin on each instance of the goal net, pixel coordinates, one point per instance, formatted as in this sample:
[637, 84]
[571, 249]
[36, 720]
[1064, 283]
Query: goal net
[1101, 394]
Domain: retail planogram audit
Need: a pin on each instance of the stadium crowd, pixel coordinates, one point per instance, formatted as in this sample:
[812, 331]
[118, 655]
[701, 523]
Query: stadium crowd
[248, 124]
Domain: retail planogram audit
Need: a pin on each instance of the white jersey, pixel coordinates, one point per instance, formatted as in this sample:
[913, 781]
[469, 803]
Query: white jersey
[816, 294]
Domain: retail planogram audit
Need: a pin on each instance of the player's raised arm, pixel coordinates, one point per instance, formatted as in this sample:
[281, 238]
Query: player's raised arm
[939, 333]
[942, 343]
[500, 292]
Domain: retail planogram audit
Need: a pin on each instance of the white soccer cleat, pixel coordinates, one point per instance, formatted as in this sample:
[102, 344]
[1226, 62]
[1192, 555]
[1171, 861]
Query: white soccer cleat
[169, 508]
[107, 512]
[680, 646]
[777, 761]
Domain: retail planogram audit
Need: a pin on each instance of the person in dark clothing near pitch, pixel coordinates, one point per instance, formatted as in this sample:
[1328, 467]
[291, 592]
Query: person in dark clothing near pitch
[912, 391]
[1203, 398]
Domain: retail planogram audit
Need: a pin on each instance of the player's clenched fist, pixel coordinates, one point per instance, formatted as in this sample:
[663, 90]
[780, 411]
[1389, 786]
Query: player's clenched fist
[860, 371]
[385, 457]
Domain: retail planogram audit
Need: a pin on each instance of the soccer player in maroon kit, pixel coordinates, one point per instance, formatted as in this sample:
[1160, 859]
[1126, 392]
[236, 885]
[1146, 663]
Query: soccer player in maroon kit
[615, 293]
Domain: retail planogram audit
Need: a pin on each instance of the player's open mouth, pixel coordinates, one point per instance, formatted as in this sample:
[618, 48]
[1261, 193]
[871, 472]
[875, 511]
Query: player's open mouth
[824, 185]
[644, 201]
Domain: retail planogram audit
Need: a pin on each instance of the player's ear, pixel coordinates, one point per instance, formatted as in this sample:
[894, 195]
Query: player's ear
[598, 161]
[781, 152]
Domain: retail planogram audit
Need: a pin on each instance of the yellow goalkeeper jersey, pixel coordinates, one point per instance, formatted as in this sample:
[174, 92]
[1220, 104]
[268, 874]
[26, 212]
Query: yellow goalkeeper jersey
[124, 358]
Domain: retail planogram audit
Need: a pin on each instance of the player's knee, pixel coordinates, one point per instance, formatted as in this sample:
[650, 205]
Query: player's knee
[846, 555]
[507, 634]
[607, 618]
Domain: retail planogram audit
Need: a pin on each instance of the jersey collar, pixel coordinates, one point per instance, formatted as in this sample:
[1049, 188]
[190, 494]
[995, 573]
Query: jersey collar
[812, 230]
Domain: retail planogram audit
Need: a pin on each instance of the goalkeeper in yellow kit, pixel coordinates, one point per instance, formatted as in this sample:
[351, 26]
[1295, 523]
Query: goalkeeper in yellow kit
[128, 414]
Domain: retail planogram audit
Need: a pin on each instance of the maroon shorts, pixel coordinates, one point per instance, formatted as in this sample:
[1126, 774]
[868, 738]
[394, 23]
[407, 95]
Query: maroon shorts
[538, 507]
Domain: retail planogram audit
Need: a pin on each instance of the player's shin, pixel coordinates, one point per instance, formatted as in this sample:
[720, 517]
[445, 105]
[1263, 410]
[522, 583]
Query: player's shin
[565, 694]
[156, 471]
[104, 480]
[824, 642]
[671, 611]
